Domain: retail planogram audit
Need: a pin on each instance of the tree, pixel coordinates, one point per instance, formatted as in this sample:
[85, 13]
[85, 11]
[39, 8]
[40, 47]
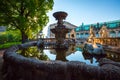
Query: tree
[28, 16]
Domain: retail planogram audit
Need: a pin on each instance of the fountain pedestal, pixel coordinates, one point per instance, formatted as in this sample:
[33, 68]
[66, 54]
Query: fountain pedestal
[60, 30]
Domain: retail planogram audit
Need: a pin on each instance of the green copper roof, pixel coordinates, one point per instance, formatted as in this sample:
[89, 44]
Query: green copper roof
[110, 25]
[81, 28]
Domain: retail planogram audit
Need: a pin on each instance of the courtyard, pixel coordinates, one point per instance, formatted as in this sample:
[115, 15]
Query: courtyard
[42, 40]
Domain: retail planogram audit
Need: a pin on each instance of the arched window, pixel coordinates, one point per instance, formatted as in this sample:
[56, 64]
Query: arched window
[112, 34]
[77, 35]
[97, 35]
[81, 35]
[118, 34]
[86, 35]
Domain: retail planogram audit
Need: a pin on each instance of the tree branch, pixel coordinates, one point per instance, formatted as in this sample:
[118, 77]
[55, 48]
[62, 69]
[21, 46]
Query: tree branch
[13, 6]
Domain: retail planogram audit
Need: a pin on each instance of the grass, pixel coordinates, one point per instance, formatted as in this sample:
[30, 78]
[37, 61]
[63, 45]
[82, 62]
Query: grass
[8, 44]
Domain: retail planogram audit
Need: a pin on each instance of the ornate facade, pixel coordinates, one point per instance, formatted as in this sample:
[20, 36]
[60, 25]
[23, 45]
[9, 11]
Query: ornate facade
[113, 28]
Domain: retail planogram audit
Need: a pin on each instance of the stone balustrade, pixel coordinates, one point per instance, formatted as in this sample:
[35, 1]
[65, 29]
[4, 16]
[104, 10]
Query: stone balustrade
[18, 67]
[108, 41]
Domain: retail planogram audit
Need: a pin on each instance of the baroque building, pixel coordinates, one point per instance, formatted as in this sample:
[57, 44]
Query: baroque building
[71, 34]
[112, 26]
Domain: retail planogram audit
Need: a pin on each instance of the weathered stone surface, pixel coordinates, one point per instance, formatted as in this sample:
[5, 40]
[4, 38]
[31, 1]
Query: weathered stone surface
[17, 67]
[40, 43]
[93, 49]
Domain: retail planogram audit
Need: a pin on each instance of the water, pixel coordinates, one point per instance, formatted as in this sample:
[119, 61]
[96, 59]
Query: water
[73, 53]
[75, 56]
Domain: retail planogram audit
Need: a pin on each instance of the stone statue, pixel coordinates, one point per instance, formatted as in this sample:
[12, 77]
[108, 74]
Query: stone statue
[92, 49]
[104, 32]
[92, 34]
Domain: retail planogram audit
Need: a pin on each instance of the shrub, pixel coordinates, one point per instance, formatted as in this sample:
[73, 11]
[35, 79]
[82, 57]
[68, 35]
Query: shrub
[8, 44]
[3, 39]
[10, 36]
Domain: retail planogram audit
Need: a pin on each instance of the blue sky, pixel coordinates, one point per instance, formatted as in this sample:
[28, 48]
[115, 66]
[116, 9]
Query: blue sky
[86, 11]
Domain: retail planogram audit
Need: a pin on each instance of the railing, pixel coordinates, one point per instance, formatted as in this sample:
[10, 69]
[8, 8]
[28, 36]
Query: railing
[108, 41]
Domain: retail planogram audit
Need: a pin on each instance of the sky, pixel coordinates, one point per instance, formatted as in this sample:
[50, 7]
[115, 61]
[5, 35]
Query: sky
[86, 11]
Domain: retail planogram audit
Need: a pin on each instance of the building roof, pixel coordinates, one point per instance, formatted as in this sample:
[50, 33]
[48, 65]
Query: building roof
[109, 24]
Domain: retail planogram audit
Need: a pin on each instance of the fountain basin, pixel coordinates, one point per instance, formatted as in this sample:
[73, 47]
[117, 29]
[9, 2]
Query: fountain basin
[18, 67]
[60, 15]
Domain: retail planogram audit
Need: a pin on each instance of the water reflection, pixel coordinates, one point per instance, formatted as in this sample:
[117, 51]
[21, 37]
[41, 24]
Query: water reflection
[92, 58]
[62, 53]
[73, 53]
[33, 52]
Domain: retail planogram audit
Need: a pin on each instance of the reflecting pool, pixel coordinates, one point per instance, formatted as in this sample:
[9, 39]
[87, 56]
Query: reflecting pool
[73, 53]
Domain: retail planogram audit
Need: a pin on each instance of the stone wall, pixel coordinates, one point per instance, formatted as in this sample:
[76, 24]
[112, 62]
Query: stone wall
[18, 67]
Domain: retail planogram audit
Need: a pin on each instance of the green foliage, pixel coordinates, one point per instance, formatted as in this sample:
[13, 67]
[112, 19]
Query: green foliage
[3, 39]
[13, 35]
[33, 52]
[28, 16]
[10, 36]
[8, 44]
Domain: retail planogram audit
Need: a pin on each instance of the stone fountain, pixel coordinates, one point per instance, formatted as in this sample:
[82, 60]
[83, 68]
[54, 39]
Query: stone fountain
[18, 67]
[60, 30]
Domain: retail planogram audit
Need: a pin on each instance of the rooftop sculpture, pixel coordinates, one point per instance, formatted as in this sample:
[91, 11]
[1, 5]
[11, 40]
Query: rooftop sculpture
[104, 32]
[92, 34]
